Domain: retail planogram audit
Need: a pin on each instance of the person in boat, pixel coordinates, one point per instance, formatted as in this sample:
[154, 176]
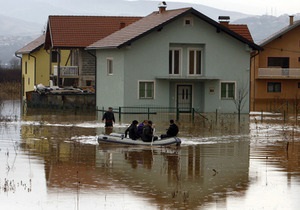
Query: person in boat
[132, 130]
[141, 127]
[171, 131]
[148, 135]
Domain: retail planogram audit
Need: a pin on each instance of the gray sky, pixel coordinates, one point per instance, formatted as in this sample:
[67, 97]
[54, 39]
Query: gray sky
[256, 7]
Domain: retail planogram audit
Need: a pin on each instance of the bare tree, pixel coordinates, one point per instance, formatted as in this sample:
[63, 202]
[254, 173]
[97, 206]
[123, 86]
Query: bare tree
[14, 63]
[240, 101]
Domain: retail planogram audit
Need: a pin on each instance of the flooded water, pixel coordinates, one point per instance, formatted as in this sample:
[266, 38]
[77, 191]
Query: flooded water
[53, 161]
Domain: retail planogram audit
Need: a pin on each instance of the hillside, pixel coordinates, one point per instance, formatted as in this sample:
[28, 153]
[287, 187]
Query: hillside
[20, 25]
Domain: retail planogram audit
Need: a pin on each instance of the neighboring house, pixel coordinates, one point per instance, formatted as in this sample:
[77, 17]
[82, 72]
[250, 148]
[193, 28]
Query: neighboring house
[75, 33]
[35, 65]
[275, 78]
[175, 58]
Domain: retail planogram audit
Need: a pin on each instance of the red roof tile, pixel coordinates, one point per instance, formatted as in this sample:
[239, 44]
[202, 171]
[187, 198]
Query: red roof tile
[138, 29]
[81, 31]
[157, 20]
[241, 30]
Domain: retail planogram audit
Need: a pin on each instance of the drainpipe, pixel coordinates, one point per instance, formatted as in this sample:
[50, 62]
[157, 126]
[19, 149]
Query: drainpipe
[58, 67]
[95, 74]
[254, 92]
[22, 85]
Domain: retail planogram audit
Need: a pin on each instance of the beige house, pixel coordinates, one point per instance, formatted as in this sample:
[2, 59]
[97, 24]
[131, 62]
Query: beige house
[35, 64]
[275, 72]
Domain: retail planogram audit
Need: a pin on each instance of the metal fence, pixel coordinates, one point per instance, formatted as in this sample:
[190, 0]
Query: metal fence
[164, 114]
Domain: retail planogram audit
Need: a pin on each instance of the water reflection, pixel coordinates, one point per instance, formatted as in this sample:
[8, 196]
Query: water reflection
[179, 178]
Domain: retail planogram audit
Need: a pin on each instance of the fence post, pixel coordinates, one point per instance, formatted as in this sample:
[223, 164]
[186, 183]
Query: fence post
[148, 113]
[177, 114]
[216, 116]
[261, 116]
[119, 114]
[193, 114]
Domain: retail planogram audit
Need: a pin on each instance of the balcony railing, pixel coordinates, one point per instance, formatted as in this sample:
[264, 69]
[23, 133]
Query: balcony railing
[287, 73]
[66, 71]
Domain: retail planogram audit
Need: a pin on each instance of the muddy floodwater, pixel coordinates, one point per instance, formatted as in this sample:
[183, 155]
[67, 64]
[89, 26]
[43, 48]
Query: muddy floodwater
[51, 160]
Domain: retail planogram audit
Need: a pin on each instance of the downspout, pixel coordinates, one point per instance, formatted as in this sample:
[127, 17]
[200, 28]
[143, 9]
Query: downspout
[95, 75]
[254, 80]
[58, 67]
[22, 84]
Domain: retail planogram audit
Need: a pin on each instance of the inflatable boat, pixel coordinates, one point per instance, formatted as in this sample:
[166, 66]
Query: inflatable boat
[120, 139]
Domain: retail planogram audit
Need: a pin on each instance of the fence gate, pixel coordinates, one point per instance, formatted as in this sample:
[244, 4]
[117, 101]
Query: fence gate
[184, 98]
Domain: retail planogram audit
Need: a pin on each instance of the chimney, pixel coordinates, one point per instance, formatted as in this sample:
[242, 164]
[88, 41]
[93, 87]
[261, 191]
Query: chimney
[291, 19]
[224, 20]
[162, 7]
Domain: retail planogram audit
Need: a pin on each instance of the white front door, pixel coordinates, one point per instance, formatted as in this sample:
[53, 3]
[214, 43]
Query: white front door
[184, 98]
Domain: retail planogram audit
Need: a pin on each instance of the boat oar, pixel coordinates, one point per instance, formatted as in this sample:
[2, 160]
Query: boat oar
[153, 136]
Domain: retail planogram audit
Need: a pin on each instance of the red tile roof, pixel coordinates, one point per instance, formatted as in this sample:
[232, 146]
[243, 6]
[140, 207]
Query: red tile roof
[242, 30]
[138, 29]
[156, 21]
[81, 31]
[32, 46]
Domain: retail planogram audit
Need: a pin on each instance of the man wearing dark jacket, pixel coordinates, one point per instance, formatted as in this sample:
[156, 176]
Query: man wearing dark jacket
[109, 117]
[171, 131]
[147, 135]
[132, 130]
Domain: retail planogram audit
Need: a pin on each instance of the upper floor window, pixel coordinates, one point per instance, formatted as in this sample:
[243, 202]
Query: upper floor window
[109, 66]
[282, 62]
[146, 89]
[174, 61]
[54, 57]
[227, 90]
[26, 67]
[274, 87]
[195, 62]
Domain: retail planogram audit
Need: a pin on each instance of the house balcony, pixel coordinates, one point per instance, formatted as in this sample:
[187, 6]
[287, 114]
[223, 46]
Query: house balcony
[279, 73]
[66, 71]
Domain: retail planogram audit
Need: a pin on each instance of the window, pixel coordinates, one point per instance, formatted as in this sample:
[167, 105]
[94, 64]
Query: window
[274, 87]
[188, 21]
[54, 56]
[146, 89]
[282, 62]
[26, 67]
[195, 62]
[227, 90]
[174, 61]
[109, 66]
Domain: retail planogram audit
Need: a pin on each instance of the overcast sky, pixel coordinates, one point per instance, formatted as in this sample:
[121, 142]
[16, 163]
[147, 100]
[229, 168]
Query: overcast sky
[256, 7]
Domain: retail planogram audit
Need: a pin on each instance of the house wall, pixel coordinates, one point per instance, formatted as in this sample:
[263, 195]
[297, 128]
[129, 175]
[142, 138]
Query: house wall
[110, 88]
[88, 67]
[37, 64]
[225, 58]
[286, 45]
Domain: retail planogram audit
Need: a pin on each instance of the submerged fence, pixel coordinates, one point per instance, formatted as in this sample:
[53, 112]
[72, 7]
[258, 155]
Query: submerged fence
[164, 114]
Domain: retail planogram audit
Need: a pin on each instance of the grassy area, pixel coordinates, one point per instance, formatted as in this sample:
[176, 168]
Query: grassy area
[10, 90]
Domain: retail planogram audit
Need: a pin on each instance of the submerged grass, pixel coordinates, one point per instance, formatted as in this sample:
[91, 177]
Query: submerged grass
[10, 91]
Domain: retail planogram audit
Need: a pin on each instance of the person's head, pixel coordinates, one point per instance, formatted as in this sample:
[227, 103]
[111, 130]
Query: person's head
[171, 121]
[110, 109]
[135, 122]
[145, 122]
[150, 122]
